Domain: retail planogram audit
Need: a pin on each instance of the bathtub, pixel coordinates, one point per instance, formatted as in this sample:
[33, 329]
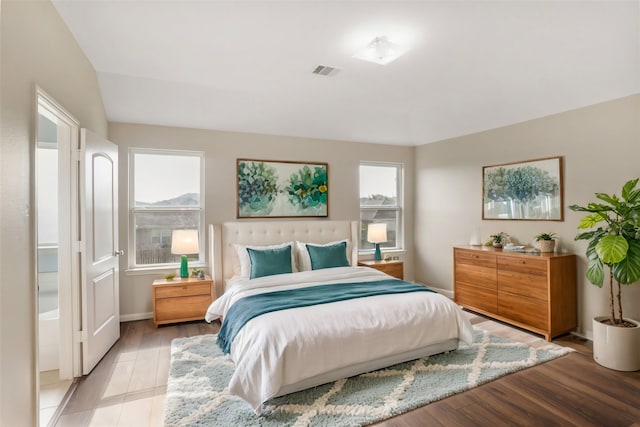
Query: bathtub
[49, 339]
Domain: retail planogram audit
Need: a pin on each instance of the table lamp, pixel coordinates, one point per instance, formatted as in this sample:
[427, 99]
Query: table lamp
[376, 234]
[184, 242]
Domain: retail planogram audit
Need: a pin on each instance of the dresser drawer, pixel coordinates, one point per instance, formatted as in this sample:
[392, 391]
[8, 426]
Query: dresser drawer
[476, 275]
[394, 270]
[475, 258]
[529, 311]
[528, 285]
[528, 265]
[178, 309]
[183, 290]
[476, 297]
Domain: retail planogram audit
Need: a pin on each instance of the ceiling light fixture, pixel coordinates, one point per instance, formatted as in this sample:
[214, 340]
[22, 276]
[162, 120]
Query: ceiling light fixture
[381, 51]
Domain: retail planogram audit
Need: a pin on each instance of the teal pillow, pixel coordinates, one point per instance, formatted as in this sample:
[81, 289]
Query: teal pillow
[328, 256]
[267, 262]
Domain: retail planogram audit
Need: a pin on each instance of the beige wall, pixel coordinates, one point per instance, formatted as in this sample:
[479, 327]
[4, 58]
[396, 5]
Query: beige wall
[37, 48]
[601, 147]
[221, 151]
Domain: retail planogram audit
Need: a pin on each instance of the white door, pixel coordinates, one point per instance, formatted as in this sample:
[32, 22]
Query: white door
[99, 219]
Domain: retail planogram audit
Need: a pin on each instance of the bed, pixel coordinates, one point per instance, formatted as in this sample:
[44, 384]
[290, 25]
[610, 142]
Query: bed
[283, 351]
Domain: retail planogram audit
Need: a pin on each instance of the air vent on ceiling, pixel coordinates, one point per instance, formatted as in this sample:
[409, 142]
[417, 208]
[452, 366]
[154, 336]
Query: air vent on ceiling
[323, 70]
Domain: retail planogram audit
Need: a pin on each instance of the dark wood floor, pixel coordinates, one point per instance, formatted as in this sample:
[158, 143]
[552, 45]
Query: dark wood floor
[128, 388]
[572, 390]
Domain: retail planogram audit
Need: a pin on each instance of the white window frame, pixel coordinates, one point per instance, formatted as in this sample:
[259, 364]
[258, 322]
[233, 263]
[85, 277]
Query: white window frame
[133, 209]
[399, 207]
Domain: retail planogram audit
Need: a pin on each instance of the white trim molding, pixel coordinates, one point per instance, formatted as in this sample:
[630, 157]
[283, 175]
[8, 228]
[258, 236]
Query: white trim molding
[134, 210]
[135, 316]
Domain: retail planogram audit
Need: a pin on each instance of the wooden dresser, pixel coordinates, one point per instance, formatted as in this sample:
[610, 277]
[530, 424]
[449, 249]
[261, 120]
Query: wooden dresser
[534, 292]
[181, 300]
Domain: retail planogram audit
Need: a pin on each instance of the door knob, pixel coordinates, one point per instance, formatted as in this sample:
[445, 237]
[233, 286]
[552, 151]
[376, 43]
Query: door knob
[119, 252]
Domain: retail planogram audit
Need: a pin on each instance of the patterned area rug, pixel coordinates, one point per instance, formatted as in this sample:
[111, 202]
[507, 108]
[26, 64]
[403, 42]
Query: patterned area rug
[199, 373]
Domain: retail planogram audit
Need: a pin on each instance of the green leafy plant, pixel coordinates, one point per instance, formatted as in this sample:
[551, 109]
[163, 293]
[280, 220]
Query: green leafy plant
[614, 241]
[169, 276]
[257, 186]
[500, 237]
[545, 236]
[308, 187]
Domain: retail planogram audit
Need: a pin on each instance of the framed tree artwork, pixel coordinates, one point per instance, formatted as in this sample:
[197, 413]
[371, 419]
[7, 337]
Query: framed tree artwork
[529, 190]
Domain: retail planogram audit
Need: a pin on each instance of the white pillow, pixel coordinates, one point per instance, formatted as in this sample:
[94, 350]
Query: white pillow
[304, 260]
[245, 261]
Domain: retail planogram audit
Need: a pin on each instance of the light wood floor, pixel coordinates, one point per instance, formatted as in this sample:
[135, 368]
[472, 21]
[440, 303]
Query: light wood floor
[128, 387]
[52, 393]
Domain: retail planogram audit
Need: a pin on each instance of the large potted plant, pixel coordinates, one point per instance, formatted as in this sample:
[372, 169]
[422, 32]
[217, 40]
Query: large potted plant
[614, 242]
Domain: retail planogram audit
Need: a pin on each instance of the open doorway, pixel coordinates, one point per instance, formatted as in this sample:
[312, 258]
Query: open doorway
[56, 275]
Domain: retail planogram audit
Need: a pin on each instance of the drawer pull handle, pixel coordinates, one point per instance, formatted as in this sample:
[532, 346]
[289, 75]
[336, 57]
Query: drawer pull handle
[524, 262]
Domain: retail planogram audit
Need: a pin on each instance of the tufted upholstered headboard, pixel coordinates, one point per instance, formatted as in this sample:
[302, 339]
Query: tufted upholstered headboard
[223, 236]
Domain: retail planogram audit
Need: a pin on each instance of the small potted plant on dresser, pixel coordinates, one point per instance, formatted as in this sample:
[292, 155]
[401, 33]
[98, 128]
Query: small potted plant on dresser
[614, 241]
[546, 242]
[497, 240]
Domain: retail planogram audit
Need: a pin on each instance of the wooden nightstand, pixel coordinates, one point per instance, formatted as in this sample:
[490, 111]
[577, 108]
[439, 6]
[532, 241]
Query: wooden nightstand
[392, 268]
[181, 300]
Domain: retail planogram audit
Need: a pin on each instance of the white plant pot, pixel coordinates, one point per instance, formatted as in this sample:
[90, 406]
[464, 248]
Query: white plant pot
[615, 347]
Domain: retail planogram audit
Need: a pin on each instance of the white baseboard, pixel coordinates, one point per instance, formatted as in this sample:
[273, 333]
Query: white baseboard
[587, 335]
[135, 316]
[446, 292]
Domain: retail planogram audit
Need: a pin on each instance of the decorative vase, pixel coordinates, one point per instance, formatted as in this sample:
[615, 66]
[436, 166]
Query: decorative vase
[615, 347]
[546, 245]
[497, 245]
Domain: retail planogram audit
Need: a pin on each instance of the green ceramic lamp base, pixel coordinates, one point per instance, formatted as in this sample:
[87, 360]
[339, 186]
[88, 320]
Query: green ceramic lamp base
[378, 255]
[184, 267]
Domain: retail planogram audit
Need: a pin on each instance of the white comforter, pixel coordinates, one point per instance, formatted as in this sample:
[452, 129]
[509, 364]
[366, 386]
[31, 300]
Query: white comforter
[284, 347]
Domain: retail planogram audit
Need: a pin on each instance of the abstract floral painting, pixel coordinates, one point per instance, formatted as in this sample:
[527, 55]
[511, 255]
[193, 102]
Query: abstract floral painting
[282, 189]
[530, 190]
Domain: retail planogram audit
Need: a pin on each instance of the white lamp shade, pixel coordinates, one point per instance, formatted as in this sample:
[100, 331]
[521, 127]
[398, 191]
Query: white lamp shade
[184, 242]
[377, 233]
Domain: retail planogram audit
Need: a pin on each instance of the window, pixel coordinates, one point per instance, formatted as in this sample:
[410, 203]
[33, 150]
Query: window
[381, 202]
[166, 193]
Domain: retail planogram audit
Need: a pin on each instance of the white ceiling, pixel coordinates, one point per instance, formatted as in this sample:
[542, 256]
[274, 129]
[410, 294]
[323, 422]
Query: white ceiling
[246, 66]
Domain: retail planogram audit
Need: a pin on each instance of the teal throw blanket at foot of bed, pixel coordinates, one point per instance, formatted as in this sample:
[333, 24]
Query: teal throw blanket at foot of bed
[252, 306]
